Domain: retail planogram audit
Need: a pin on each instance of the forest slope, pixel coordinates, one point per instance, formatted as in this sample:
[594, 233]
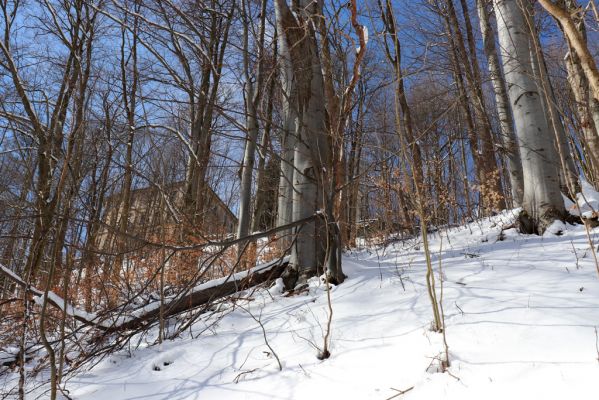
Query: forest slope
[521, 314]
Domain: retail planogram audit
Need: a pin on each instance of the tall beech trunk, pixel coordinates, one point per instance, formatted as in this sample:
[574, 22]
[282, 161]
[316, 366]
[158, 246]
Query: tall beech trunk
[288, 137]
[568, 173]
[313, 182]
[295, 46]
[542, 202]
[502, 103]
[285, 192]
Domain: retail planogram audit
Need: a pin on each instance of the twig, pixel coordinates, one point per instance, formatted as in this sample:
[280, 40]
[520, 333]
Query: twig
[444, 363]
[399, 392]
[325, 353]
[236, 380]
[452, 375]
[305, 372]
[264, 335]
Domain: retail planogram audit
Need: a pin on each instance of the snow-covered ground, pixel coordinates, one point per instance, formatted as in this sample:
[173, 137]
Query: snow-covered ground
[520, 312]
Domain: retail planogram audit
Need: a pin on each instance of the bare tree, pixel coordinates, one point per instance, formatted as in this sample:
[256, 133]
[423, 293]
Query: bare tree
[542, 202]
[504, 112]
[578, 43]
[253, 95]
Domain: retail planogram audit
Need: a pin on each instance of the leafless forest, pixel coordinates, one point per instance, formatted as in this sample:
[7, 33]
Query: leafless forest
[153, 153]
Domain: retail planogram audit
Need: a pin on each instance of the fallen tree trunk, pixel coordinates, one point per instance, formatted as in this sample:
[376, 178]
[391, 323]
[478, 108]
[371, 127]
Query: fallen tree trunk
[188, 299]
[53, 299]
[202, 294]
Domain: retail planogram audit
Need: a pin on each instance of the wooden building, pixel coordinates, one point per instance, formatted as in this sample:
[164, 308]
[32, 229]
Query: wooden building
[160, 214]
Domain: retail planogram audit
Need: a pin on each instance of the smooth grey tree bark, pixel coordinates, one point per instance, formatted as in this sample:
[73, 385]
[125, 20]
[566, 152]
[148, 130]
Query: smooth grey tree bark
[284, 203]
[568, 174]
[542, 201]
[502, 103]
[316, 240]
[289, 131]
[303, 186]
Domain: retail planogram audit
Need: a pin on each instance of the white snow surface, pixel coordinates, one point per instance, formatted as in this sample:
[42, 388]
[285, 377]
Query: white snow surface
[587, 201]
[521, 314]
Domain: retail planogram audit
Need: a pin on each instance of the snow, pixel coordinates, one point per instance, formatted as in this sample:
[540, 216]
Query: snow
[203, 286]
[56, 299]
[76, 312]
[556, 228]
[521, 315]
[8, 354]
[11, 274]
[587, 201]
[138, 312]
[277, 288]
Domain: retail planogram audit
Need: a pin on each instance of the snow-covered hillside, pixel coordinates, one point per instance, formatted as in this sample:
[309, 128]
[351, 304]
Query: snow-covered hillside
[521, 315]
